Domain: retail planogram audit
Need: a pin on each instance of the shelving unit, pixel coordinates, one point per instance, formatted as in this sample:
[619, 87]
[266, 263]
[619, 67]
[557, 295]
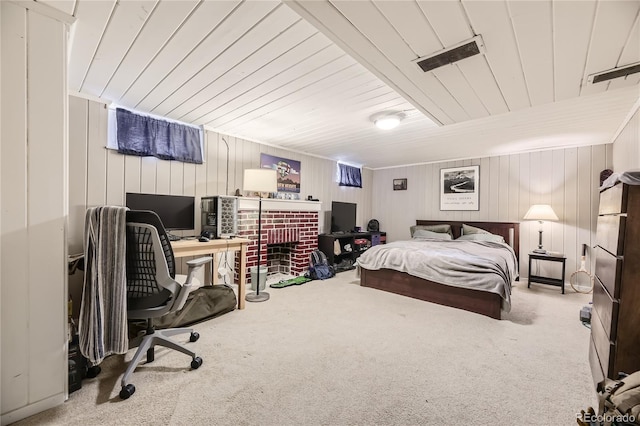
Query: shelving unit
[342, 249]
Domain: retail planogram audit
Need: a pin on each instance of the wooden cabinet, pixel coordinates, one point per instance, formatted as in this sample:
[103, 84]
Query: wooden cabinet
[615, 334]
[342, 250]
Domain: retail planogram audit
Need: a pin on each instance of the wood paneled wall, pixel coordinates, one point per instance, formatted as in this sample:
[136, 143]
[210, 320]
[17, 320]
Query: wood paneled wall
[34, 209]
[565, 178]
[99, 176]
[568, 179]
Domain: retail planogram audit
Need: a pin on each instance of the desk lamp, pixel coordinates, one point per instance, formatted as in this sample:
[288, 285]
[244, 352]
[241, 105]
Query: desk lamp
[540, 212]
[259, 180]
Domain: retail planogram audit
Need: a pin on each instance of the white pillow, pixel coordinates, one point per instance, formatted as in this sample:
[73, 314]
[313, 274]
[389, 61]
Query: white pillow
[422, 234]
[468, 229]
[482, 237]
[440, 228]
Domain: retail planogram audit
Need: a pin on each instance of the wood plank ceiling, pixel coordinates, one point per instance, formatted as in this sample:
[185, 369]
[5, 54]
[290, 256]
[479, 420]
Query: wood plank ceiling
[309, 75]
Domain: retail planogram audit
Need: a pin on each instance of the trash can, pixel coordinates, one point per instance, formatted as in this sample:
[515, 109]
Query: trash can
[254, 277]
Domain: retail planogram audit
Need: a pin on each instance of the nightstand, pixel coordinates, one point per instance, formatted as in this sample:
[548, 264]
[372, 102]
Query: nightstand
[547, 280]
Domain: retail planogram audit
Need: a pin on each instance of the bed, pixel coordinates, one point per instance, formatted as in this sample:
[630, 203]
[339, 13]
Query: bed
[483, 302]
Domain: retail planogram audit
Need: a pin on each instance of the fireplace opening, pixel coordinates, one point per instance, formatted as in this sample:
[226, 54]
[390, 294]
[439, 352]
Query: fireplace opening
[279, 258]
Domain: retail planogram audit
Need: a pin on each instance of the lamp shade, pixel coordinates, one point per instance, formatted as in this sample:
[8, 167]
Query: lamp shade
[260, 180]
[540, 212]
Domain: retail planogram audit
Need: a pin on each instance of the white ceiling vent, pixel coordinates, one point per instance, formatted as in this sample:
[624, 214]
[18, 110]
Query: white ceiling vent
[614, 73]
[466, 49]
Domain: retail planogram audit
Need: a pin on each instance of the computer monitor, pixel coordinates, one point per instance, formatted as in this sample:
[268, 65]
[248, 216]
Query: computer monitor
[177, 212]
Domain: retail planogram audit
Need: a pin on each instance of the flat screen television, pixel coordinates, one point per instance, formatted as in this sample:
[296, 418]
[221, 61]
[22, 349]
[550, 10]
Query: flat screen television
[343, 216]
[177, 212]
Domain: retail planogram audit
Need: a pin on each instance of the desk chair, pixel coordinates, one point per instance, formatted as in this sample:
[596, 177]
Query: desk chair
[154, 290]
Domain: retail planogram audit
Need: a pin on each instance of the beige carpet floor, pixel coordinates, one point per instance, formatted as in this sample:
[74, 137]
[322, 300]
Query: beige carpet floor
[334, 353]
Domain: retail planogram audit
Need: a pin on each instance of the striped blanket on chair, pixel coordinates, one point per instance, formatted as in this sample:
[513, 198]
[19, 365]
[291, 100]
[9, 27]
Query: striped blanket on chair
[103, 313]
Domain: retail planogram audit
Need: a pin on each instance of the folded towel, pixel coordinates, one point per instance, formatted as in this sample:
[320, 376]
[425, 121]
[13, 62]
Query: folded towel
[103, 312]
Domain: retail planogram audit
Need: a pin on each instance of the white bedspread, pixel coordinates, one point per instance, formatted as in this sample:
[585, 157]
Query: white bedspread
[481, 265]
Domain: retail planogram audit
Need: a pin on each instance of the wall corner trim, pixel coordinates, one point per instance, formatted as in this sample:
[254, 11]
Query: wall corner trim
[626, 120]
[46, 10]
[88, 97]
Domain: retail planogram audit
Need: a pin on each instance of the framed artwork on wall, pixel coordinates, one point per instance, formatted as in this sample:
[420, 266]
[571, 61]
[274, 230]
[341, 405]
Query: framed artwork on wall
[400, 184]
[288, 175]
[459, 188]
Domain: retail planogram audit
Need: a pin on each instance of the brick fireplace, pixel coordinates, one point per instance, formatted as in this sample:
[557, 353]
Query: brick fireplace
[289, 234]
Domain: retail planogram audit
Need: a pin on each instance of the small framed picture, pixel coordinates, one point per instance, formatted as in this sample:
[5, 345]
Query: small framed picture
[400, 184]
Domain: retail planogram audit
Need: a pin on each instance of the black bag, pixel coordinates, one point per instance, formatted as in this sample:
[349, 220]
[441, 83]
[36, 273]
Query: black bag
[319, 268]
[202, 304]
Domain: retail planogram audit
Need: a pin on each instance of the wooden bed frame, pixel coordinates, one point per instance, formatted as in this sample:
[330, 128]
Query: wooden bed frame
[481, 302]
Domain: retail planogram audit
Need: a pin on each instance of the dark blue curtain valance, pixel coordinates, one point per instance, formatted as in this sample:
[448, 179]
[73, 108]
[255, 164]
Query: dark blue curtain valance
[350, 176]
[146, 136]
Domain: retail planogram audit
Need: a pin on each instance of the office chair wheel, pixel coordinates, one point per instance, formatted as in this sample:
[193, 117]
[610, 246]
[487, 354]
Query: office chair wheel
[196, 363]
[194, 336]
[127, 391]
[93, 371]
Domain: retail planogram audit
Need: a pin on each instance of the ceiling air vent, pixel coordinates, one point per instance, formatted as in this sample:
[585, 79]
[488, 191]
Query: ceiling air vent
[614, 73]
[454, 54]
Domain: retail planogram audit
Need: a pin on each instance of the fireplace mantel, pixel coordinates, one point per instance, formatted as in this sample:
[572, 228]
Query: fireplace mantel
[251, 203]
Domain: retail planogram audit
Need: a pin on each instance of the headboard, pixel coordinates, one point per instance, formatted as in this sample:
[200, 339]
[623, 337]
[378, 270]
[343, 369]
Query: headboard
[510, 231]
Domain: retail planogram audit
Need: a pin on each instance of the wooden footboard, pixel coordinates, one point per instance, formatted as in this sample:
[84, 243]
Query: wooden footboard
[480, 302]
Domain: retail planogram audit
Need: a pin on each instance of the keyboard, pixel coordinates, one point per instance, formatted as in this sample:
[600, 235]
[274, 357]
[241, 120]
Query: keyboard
[173, 237]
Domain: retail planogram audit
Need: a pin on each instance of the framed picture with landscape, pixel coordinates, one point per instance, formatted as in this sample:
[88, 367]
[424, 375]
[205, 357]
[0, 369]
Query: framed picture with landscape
[400, 184]
[459, 188]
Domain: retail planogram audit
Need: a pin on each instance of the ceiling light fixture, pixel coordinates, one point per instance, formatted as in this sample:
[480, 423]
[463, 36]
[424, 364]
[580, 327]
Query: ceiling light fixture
[387, 120]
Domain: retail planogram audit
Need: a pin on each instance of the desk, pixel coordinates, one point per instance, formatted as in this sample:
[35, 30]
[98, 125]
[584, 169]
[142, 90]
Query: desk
[185, 248]
[547, 280]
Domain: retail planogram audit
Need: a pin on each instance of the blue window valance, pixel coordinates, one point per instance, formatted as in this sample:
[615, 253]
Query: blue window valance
[349, 176]
[147, 136]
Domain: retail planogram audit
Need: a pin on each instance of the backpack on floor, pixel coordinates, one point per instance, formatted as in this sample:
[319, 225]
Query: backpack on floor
[620, 399]
[319, 268]
[619, 403]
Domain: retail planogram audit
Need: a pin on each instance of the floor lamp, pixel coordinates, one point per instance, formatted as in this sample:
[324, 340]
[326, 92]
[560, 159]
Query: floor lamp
[259, 180]
[540, 212]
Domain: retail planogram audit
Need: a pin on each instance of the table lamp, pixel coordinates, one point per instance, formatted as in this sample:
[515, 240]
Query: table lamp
[540, 212]
[259, 180]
